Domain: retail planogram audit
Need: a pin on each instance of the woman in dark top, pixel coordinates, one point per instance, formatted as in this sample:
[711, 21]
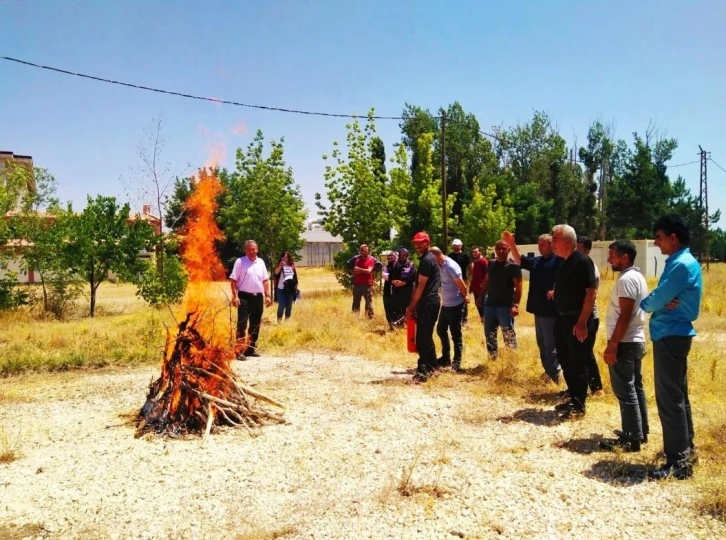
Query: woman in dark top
[285, 285]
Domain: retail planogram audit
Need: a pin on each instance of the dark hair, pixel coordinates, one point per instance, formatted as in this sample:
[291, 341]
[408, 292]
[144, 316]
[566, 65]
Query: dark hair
[585, 241]
[290, 261]
[625, 247]
[674, 224]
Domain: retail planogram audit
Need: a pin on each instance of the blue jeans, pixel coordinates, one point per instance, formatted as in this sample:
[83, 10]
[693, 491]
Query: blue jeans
[626, 378]
[285, 300]
[495, 317]
[544, 328]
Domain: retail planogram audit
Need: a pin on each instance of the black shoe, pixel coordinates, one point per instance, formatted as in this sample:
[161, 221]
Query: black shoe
[610, 445]
[252, 354]
[456, 366]
[573, 413]
[564, 406]
[443, 362]
[419, 377]
[680, 471]
[622, 435]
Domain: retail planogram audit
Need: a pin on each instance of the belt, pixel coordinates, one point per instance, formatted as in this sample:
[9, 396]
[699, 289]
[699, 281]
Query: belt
[244, 293]
[570, 314]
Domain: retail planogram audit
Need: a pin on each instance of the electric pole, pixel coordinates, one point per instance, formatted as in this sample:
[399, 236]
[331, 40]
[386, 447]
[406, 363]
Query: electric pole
[443, 181]
[703, 206]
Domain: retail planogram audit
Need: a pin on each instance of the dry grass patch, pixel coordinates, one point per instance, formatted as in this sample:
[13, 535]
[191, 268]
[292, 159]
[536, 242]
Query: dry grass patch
[267, 534]
[19, 532]
[10, 445]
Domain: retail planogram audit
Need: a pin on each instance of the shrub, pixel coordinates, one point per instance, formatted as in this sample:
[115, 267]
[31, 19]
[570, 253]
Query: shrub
[162, 289]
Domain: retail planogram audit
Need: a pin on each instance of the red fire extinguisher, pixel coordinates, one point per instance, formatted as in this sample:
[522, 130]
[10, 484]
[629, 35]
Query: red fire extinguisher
[411, 335]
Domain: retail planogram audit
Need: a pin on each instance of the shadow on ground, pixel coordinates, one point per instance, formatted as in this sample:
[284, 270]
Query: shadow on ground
[618, 473]
[538, 417]
[582, 446]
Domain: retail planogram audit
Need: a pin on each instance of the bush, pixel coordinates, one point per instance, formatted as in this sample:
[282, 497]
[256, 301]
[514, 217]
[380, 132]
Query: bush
[61, 293]
[160, 290]
[11, 294]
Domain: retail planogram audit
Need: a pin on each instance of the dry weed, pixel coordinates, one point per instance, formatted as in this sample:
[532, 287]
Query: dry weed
[10, 445]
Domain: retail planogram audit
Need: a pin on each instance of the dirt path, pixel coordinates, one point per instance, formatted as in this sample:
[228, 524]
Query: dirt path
[481, 467]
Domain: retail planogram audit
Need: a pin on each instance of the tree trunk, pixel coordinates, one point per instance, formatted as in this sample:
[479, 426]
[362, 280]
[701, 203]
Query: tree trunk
[92, 280]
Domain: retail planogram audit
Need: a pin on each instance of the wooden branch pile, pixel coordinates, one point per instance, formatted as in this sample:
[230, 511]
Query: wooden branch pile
[197, 391]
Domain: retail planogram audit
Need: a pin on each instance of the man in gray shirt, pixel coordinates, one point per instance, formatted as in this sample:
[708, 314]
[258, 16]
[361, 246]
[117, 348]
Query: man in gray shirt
[453, 298]
[626, 347]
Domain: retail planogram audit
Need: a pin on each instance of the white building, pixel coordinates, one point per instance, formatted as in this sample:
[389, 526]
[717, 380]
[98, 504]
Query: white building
[320, 246]
[649, 259]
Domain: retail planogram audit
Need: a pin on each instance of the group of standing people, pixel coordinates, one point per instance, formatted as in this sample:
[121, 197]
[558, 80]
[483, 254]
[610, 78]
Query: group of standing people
[562, 296]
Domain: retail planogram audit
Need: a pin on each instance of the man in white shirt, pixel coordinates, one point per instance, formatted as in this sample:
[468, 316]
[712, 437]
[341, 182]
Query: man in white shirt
[626, 347]
[249, 280]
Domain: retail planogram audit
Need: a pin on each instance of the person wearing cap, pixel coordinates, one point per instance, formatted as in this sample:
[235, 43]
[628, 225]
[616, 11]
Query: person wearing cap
[461, 257]
[425, 306]
[453, 295]
[403, 280]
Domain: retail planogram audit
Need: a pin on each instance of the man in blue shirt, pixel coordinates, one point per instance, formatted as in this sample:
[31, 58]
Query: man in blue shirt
[674, 305]
[542, 272]
[453, 299]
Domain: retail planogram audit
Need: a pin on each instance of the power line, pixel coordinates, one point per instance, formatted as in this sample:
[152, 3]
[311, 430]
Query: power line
[191, 96]
[682, 164]
[717, 165]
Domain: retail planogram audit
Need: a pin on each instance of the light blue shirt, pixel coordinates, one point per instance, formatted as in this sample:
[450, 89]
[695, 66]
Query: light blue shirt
[681, 279]
[450, 294]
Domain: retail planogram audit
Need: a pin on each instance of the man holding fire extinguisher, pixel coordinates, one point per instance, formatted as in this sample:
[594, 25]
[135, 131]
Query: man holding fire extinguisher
[425, 306]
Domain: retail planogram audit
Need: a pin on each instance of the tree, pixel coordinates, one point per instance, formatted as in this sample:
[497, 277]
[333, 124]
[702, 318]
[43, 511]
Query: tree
[598, 155]
[642, 193]
[262, 200]
[358, 207]
[687, 205]
[485, 217]
[174, 216]
[102, 239]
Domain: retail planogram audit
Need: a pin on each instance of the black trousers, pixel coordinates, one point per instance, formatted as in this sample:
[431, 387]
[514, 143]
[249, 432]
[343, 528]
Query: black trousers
[595, 381]
[426, 316]
[249, 316]
[574, 356]
[450, 318]
[389, 306]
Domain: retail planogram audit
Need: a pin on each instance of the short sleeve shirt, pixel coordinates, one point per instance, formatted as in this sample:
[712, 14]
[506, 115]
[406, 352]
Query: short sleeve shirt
[450, 294]
[502, 276]
[250, 275]
[575, 276]
[429, 268]
[630, 284]
[463, 260]
[479, 275]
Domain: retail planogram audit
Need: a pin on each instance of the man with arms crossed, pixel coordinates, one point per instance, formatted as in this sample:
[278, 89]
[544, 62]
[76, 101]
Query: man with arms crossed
[453, 299]
[675, 304]
[249, 279]
[424, 306]
[626, 347]
[542, 272]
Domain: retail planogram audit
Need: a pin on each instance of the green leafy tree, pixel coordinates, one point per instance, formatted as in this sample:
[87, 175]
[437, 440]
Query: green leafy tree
[598, 156]
[102, 239]
[357, 206]
[485, 217]
[262, 200]
[174, 217]
[682, 202]
[161, 291]
[642, 193]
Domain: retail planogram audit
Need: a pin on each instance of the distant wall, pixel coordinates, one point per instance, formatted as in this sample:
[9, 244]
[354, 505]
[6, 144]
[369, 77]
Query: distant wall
[318, 253]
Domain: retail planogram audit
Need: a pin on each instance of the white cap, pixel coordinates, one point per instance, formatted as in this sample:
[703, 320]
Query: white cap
[457, 242]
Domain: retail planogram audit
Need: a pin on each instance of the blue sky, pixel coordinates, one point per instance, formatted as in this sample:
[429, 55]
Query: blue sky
[627, 62]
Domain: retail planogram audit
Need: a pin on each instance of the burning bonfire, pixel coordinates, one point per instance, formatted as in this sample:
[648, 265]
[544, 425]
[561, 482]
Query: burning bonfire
[197, 389]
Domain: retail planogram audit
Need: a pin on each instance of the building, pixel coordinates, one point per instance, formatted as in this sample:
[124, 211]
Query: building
[650, 260]
[320, 246]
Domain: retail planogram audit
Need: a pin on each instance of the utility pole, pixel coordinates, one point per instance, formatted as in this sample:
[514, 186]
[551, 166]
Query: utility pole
[443, 181]
[703, 206]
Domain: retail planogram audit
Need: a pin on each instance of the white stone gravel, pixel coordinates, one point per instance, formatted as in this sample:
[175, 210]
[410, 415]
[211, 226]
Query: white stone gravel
[332, 472]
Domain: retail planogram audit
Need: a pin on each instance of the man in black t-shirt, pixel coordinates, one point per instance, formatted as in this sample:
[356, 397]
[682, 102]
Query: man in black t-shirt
[502, 299]
[461, 258]
[425, 306]
[574, 297]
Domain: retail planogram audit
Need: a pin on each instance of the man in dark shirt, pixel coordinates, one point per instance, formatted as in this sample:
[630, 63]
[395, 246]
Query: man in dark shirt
[502, 299]
[460, 257]
[574, 297]
[425, 306]
[584, 245]
[542, 272]
[479, 279]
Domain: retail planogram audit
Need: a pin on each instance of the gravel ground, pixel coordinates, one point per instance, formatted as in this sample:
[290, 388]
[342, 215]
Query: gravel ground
[476, 467]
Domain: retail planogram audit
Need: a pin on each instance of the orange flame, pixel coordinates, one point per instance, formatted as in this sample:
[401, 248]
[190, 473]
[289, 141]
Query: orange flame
[207, 299]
